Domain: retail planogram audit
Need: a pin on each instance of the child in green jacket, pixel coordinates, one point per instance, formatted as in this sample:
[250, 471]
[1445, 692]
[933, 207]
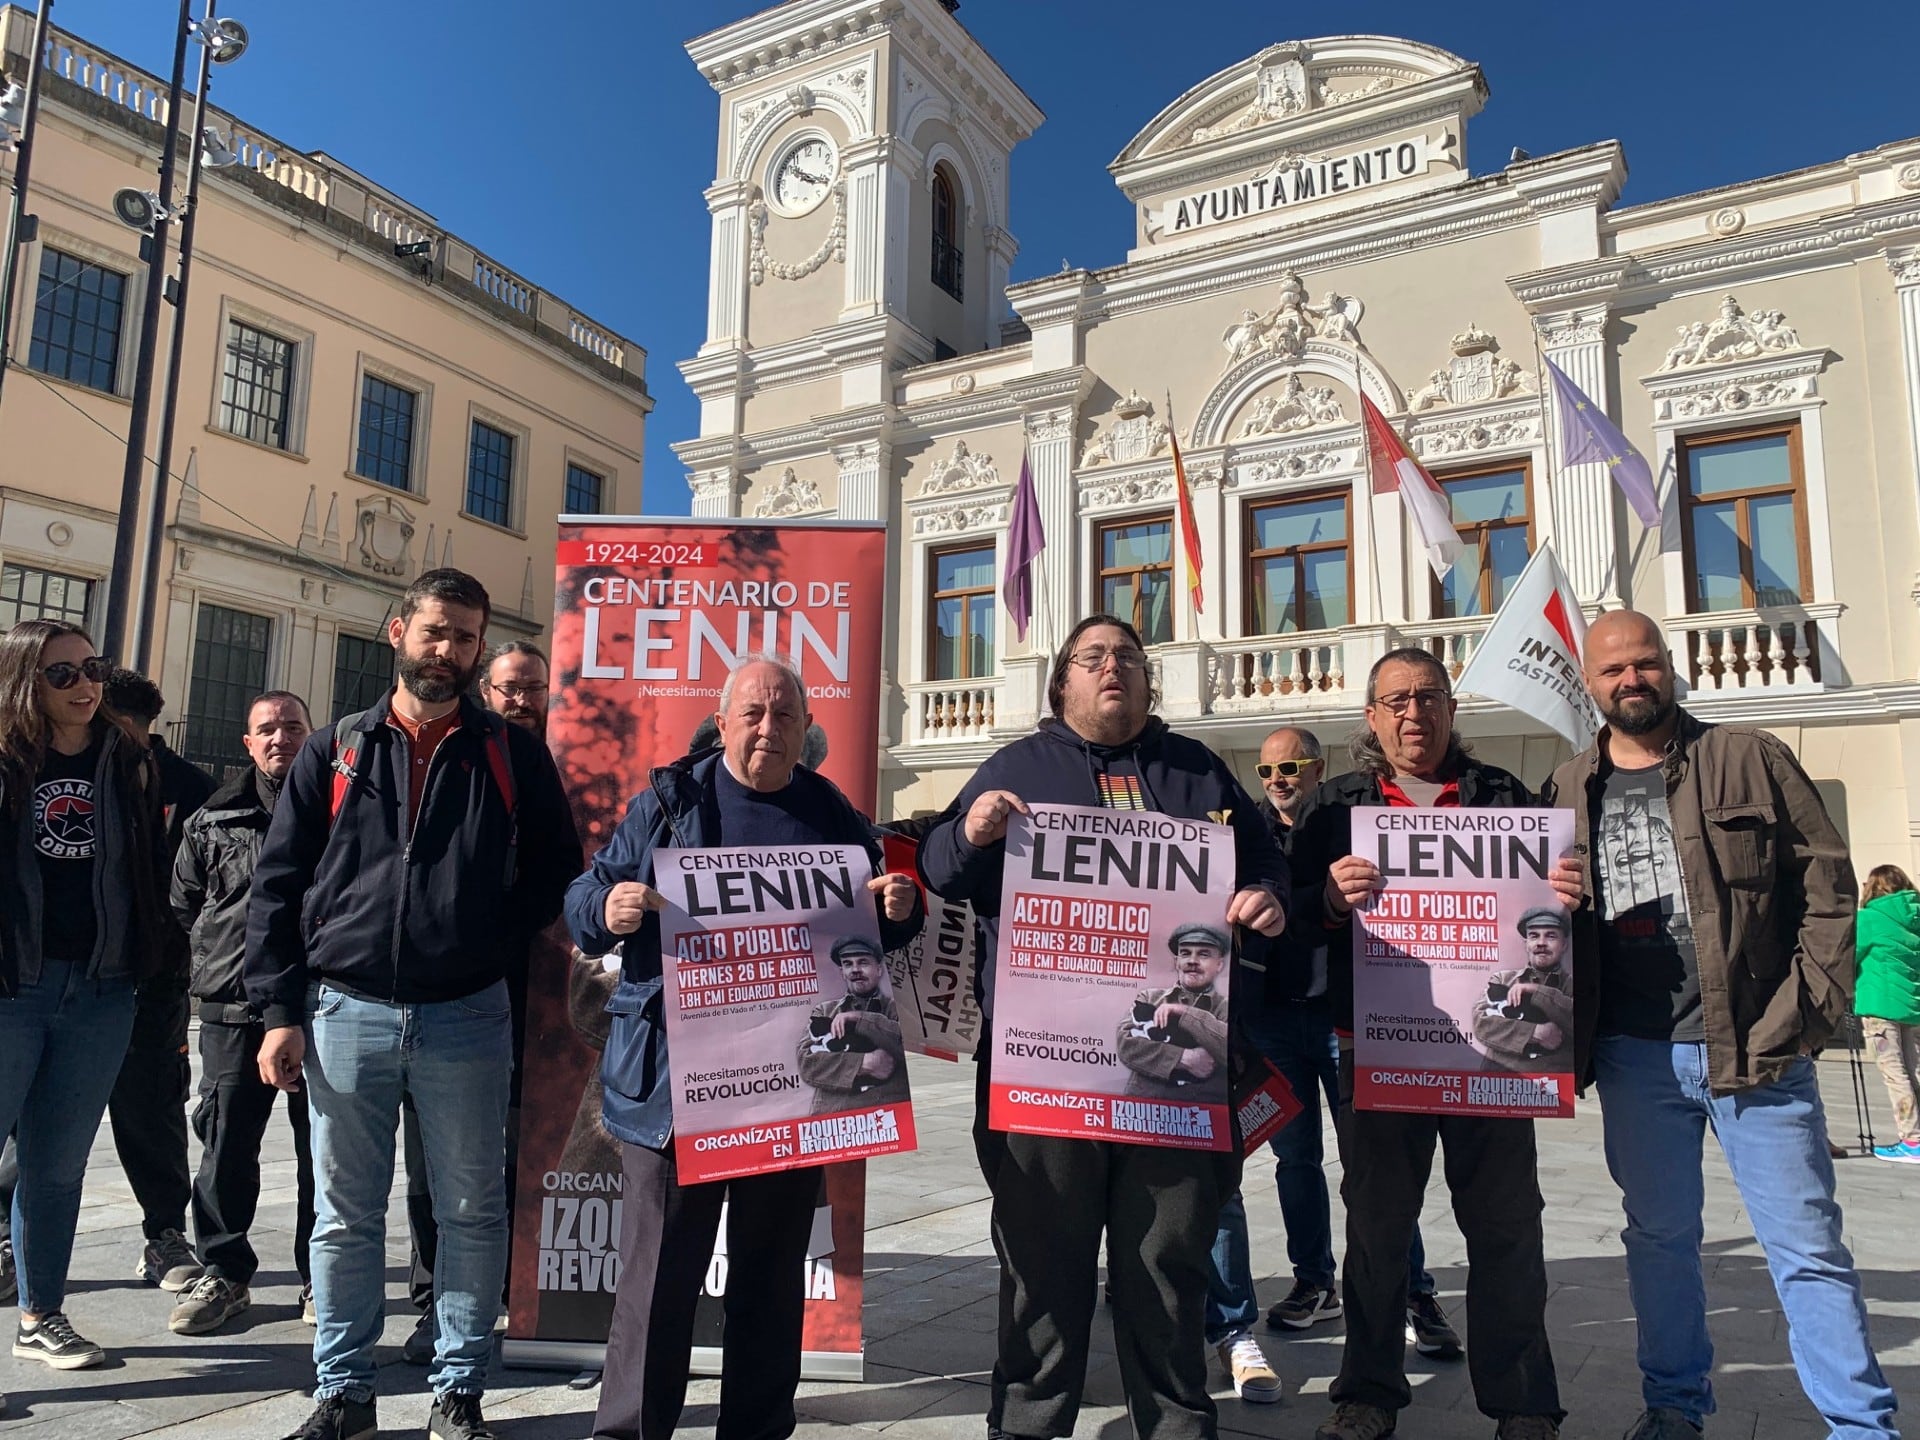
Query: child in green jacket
[1887, 998]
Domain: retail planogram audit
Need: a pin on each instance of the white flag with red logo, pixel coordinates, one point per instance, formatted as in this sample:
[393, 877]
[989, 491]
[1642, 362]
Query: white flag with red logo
[1529, 658]
[1394, 468]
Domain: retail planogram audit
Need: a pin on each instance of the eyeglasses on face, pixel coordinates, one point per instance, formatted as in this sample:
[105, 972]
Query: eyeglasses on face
[1095, 658]
[517, 692]
[1267, 769]
[1402, 701]
[64, 674]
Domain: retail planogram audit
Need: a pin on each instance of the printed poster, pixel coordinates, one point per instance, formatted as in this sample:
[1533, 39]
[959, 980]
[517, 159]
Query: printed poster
[933, 974]
[782, 1034]
[1463, 965]
[1110, 1002]
[649, 615]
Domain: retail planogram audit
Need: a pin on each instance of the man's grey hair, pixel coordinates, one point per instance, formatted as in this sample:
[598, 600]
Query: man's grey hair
[1310, 746]
[763, 657]
[517, 647]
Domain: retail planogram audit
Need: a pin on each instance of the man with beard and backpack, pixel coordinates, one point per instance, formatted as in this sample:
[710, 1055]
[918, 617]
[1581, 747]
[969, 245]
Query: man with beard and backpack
[412, 846]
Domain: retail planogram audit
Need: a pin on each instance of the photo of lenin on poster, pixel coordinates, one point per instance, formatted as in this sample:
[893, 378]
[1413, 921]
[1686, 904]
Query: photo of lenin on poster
[1174, 1039]
[852, 1054]
[1525, 1022]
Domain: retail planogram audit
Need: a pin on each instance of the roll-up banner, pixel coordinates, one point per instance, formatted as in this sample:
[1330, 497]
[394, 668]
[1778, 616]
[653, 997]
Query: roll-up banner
[649, 616]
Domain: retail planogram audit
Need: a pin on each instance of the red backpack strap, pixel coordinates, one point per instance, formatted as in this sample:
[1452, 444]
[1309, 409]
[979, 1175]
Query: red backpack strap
[345, 762]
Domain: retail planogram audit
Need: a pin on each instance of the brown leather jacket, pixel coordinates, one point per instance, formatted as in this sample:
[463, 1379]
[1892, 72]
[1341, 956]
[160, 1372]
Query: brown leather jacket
[1769, 886]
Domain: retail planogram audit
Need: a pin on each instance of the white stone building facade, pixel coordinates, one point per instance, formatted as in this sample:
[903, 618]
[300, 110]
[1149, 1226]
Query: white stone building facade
[1308, 226]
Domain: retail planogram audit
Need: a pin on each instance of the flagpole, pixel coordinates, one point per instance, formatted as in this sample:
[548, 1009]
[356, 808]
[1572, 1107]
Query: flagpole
[1193, 610]
[1373, 519]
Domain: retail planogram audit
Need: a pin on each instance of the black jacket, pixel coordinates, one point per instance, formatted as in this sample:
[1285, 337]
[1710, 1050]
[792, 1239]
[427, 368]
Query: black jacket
[1324, 834]
[397, 908]
[212, 877]
[1055, 766]
[679, 810]
[130, 874]
[184, 788]
[1289, 957]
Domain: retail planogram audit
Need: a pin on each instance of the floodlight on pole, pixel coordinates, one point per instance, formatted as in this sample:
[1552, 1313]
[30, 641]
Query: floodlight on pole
[18, 221]
[226, 40]
[211, 153]
[114, 634]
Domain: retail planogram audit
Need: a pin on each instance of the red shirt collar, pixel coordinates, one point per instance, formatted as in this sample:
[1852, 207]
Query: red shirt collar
[1398, 799]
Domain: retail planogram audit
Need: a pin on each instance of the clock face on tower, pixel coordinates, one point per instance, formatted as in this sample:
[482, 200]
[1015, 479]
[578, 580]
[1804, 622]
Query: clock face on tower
[803, 175]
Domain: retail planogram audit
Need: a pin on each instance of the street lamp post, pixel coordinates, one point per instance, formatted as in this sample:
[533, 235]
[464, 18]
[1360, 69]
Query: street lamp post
[157, 506]
[16, 208]
[120, 580]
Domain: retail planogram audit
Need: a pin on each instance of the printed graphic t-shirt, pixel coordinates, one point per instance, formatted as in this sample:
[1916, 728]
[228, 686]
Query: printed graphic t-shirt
[65, 840]
[1649, 970]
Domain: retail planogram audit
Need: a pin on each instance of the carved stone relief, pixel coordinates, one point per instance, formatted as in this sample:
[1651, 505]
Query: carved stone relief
[1294, 406]
[1476, 374]
[958, 519]
[834, 247]
[962, 470]
[1731, 335]
[1132, 490]
[384, 530]
[1135, 435]
[1285, 329]
[789, 495]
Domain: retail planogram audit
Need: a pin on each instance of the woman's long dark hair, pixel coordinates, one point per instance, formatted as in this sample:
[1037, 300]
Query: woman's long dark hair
[23, 728]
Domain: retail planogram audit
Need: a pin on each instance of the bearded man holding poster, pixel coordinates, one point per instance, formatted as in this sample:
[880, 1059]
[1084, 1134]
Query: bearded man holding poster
[753, 792]
[1052, 1197]
[1409, 756]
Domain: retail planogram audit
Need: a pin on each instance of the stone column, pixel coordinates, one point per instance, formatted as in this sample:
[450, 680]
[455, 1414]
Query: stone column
[1204, 474]
[1584, 524]
[878, 175]
[1905, 265]
[862, 465]
[1001, 248]
[1050, 455]
[716, 493]
[727, 263]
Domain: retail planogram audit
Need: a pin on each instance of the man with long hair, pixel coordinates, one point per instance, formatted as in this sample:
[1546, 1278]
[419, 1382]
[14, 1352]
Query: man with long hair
[1052, 1198]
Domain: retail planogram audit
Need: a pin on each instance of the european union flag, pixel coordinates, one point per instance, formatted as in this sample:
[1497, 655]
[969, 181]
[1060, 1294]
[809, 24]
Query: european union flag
[1590, 436]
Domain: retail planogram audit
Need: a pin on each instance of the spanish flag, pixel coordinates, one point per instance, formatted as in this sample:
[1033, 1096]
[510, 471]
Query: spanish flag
[1189, 531]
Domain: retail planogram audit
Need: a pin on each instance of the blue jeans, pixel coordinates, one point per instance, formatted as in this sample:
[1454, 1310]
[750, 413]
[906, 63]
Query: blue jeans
[1298, 1038]
[454, 1059]
[1656, 1107]
[61, 1043]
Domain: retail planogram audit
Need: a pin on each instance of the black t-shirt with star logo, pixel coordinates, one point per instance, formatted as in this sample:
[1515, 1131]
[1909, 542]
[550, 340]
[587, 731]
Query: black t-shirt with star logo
[65, 839]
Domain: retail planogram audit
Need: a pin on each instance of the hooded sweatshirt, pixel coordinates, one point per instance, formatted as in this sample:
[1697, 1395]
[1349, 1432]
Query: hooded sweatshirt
[1156, 770]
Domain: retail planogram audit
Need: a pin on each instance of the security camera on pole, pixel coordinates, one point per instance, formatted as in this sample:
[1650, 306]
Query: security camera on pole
[151, 213]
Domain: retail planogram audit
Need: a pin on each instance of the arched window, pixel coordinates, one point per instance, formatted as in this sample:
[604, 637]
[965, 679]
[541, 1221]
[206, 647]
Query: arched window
[947, 268]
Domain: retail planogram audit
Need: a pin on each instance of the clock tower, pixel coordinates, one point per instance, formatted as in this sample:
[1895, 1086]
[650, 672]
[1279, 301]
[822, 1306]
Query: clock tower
[859, 213]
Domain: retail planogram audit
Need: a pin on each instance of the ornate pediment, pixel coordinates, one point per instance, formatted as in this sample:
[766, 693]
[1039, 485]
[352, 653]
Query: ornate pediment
[961, 519]
[1731, 335]
[1774, 382]
[1294, 79]
[1122, 491]
[789, 495]
[962, 470]
[1284, 330]
[383, 529]
[1475, 375]
[1486, 431]
[1294, 406]
[1135, 434]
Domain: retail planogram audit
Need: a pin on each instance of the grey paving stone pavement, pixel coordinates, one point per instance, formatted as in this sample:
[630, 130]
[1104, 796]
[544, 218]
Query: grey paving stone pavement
[930, 1308]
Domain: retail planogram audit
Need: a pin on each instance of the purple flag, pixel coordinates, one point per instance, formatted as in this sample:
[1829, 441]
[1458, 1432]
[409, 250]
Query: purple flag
[1589, 435]
[1026, 538]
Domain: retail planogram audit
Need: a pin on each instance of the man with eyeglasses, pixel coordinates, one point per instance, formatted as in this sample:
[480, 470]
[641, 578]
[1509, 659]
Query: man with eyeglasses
[1288, 1019]
[514, 687]
[1409, 756]
[1052, 1198]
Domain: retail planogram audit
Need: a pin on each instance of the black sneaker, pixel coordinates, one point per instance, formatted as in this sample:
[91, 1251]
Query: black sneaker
[418, 1347]
[1429, 1331]
[169, 1262]
[456, 1416]
[54, 1342]
[9, 1278]
[339, 1417]
[1306, 1304]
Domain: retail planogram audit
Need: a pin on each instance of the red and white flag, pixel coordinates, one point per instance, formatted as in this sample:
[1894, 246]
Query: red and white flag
[1394, 468]
[1529, 658]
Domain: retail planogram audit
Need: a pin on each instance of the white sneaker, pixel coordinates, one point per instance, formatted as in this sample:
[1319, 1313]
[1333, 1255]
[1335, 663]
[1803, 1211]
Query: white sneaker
[1253, 1378]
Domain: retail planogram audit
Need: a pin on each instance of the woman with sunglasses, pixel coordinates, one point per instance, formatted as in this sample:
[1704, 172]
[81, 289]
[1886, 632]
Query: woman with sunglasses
[80, 925]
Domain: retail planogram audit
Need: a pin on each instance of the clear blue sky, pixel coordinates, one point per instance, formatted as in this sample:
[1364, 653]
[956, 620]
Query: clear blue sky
[571, 140]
